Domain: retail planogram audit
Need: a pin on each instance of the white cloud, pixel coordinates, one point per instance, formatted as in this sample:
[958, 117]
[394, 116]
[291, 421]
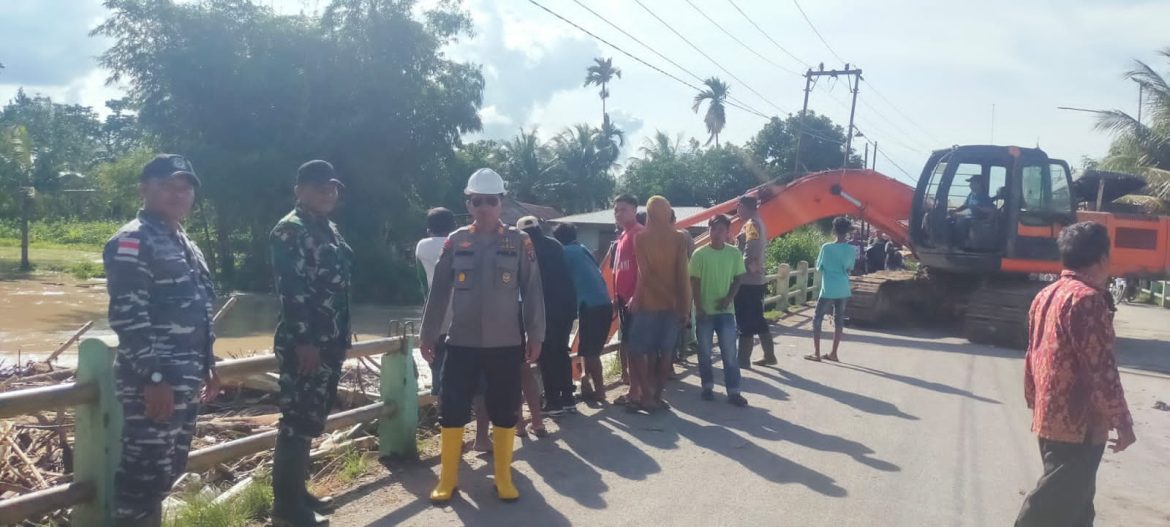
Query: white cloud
[490, 116]
[89, 90]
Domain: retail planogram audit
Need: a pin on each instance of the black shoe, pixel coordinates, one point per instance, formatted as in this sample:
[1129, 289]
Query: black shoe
[289, 465]
[737, 400]
[765, 362]
[552, 409]
[708, 395]
[570, 405]
[319, 504]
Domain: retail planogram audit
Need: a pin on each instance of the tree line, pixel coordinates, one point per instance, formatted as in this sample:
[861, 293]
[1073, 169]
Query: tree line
[248, 94]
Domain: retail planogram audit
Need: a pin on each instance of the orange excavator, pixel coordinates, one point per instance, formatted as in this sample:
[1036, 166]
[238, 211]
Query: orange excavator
[982, 259]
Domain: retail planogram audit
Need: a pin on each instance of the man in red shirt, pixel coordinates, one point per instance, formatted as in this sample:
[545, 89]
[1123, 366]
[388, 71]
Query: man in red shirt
[625, 280]
[1071, 382]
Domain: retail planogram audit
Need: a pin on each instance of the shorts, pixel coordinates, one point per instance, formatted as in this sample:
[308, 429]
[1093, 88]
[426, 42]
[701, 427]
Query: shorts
[825, 305]
[654, 332]
[749, 310]
[593, 330]
[624, 319]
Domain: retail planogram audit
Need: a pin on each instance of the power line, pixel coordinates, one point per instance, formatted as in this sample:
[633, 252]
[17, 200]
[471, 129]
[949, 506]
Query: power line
[814, 28]
[636, 58]
[899, 110]
[741, 104]
[766, 35]
[713, 61]
[733, 37]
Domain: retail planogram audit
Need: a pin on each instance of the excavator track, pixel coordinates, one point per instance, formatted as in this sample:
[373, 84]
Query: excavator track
[885, 298]
[997, 313]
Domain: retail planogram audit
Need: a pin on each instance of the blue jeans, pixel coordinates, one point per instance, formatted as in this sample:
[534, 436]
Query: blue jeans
[724, 325]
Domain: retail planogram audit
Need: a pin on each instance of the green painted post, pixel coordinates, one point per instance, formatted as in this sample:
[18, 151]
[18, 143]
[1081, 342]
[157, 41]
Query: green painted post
[98, 432]
[397, 433]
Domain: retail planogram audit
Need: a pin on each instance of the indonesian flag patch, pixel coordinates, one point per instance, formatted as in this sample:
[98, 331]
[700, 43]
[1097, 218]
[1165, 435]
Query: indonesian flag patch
[128, 246]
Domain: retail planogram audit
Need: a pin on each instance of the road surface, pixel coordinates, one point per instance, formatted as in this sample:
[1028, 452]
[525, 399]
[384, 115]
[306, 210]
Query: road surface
[914, 428]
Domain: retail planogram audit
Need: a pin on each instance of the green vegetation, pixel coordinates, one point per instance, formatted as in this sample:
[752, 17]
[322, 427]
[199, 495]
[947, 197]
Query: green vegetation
[1141, 146]
[253, 503]
[366, 84]
[355, 463]
[800, 245]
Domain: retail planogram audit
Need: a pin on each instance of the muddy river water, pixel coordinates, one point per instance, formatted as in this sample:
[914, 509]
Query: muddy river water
[38, 314]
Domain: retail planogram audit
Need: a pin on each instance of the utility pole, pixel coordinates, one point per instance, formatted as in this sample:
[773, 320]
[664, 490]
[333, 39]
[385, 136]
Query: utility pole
[865, 160]
[852, 110]
[874, 167]
[808, 83]
[808, 76]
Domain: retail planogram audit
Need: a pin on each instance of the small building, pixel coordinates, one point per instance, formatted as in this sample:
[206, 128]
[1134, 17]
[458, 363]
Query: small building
[596, 230]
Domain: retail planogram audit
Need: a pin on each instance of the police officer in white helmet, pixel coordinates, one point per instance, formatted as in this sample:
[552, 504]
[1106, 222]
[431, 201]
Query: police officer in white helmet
[489, 275]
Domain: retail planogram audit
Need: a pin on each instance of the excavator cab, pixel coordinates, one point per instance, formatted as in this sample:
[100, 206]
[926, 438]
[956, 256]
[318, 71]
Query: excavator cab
[984, 208]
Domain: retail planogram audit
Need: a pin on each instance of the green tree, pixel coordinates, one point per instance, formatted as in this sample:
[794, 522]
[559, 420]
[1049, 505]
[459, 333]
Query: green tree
[585, 182]
[365, 85]
[775, 145]
[715, 96]
[600, 74]
[1142, 147]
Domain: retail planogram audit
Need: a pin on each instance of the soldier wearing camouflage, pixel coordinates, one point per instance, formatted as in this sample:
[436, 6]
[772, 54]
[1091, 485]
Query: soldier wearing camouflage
[161, 298]
[313, 265]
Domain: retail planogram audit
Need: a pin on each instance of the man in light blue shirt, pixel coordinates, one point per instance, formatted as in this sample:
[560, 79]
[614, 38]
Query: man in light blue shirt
[835, 261]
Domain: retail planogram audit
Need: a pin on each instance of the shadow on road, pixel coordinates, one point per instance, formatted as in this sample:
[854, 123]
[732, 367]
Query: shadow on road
[861, 402]
[531, 509]
[722, 441]
[1143, 354]
[914, 381]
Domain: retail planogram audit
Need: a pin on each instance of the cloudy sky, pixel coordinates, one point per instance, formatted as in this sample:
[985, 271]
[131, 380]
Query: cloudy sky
[934, 69]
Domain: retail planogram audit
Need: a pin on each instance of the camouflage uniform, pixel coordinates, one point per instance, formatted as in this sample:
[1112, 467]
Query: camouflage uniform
[161, 298]
[313, 266]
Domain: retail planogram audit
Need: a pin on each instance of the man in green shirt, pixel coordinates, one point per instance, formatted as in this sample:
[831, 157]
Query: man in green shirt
[835, 261]
[716, 272]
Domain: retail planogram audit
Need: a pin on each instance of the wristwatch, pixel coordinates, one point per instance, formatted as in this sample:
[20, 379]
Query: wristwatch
[156, 377]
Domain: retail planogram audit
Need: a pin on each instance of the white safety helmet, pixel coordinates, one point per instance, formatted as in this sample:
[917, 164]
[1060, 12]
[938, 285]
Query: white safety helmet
[485, 181]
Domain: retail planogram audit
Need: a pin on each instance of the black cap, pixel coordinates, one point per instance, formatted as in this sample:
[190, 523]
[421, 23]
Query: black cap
[166, 165]
[317, 172]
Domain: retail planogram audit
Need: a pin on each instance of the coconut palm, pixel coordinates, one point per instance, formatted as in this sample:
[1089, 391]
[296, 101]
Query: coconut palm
[1142, 148]
[610, 140]
[587, 181]
[660, 147]
[601, 73]
[527, 164]
[715, 95]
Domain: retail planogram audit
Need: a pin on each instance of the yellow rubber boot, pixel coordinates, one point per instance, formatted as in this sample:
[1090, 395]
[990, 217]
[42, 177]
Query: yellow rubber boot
[502, 439]
[452, 451]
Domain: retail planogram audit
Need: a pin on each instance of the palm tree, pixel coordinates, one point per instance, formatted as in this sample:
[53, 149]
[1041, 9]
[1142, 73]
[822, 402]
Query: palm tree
[716, 117]
[527, 164]
[586, 178]
[601, 73]
[660, 147]
[610, 140]
[1142, 148]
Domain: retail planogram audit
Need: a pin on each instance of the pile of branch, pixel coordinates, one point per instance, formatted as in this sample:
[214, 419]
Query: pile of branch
[35, 454]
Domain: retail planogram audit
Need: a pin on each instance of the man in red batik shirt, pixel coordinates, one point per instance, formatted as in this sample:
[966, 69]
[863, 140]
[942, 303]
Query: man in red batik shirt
[1071, 382]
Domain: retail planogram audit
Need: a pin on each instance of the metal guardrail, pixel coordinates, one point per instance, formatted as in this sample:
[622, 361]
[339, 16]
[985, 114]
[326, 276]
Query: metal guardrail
[794, 288]
[98, 417]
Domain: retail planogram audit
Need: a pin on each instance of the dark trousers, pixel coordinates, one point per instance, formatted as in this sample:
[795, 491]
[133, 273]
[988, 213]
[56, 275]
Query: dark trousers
[1064, 495]
[555, 370]
[462, 370]
[306, 400]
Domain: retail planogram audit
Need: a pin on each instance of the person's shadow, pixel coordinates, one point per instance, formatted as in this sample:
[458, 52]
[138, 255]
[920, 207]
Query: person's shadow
[861, 402]
[486, 509]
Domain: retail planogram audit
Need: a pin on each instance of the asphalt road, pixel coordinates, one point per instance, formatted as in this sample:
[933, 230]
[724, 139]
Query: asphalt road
[914, 428]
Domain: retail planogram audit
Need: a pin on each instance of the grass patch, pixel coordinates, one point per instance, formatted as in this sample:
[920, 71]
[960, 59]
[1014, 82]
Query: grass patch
[611, 365]
[253, 503]
[354, 464]
[772, 315]
[78, 260]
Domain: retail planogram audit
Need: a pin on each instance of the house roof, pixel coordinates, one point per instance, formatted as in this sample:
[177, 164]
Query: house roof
[514, 210]
[605, 217]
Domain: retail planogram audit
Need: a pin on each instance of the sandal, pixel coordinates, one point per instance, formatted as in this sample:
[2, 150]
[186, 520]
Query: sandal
[832, 358]
[540, 433]
[622, 400]
[813, 358]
